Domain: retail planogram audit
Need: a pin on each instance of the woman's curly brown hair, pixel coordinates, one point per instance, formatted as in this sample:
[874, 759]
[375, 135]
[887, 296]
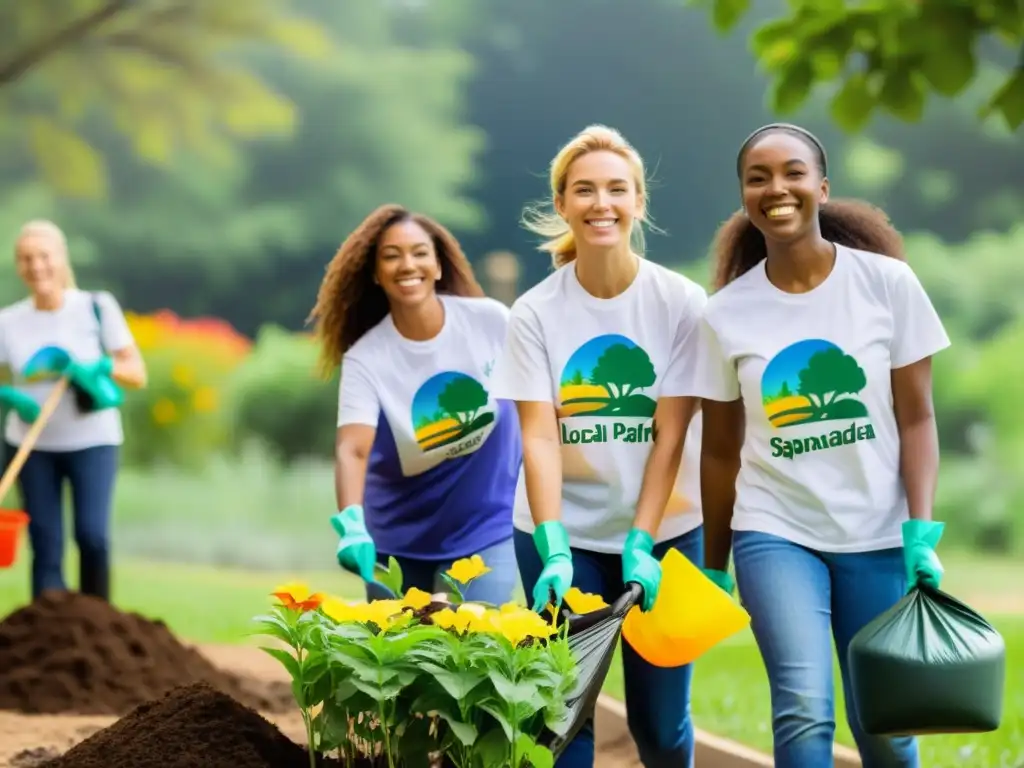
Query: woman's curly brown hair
[350, 303]
[739, 246]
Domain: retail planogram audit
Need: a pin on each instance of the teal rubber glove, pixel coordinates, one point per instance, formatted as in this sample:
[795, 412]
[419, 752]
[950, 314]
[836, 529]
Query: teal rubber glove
[23, 405]
[722, 579]
[356, 551]
[920, 537]
[639, 565]
[552, 542]
[95, 381]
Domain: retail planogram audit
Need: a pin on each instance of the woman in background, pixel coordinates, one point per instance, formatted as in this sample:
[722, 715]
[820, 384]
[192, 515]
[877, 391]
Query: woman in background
[820, 446]
[600, 360]
[426, 457]
[80, 443]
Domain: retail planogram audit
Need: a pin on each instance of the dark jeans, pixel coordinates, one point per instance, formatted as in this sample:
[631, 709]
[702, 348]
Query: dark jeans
[90, 473]
[657, 699]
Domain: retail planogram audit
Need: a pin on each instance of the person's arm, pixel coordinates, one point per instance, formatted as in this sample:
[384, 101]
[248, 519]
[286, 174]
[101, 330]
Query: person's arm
[358, 414]
[719, 465]
[129, 369]
[542, 460]
[722, 440]
[919, 436]
[918, 334]
[351, 456]
[672, 419]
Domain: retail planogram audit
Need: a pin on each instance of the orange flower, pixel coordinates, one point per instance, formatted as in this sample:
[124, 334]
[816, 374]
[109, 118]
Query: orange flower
[297, 597]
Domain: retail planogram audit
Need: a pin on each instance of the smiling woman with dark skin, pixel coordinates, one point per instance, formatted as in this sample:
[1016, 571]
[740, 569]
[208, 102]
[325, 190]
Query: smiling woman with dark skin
[820, 450]
[426, 459]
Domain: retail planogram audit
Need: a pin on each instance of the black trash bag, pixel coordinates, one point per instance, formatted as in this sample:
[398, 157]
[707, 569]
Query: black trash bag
[593, 638]
[928, 665]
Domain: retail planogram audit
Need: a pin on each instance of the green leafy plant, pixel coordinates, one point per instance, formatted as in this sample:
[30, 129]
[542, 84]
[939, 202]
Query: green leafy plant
[412, 682]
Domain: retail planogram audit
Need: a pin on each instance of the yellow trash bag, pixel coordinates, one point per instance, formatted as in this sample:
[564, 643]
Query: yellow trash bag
[691, 615]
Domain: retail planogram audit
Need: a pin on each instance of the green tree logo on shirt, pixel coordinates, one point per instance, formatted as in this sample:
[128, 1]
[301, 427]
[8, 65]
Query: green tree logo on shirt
[606, 378]
[810, 382]
[451, 410]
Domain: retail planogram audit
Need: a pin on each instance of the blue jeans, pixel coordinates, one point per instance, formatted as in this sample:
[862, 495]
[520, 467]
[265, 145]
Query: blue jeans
[91, 473]
[796, 598]
[495, 587]
[657, 699]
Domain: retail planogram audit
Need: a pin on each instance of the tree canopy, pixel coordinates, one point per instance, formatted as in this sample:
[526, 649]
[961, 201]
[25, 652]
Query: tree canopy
[887, 54]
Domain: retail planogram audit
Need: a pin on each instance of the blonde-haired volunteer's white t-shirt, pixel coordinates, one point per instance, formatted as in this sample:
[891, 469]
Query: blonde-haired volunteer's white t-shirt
[821, 457]
[74, 327]
[603, 364]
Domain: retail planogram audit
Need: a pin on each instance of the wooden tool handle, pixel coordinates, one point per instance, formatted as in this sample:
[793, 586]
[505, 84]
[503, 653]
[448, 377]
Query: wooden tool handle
[45, 412]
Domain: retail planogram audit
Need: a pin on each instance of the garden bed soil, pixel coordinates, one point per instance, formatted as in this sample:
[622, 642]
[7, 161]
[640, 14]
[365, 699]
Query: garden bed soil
[30, 741]
[68, 653]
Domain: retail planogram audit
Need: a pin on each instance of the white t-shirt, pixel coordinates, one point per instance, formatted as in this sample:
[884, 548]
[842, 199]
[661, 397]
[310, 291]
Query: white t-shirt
[603, 364]
[446, 454]
[24, 330]
[820, 460]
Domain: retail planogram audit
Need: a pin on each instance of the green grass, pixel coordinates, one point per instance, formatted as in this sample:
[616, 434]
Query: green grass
[730, 692]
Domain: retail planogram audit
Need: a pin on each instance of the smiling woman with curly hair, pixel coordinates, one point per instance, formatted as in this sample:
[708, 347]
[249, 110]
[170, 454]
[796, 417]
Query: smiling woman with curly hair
[426, 459]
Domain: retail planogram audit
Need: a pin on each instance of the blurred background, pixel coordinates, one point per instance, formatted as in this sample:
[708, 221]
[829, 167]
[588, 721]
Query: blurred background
[207, 158]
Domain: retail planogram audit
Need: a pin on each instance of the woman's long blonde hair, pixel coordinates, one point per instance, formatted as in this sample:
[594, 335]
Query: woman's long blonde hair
[55, 235]
[545, 221]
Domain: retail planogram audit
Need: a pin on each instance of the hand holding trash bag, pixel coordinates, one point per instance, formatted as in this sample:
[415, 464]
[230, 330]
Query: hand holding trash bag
[920, 537]
[356, 550]
[552, 541]
[640, 566]
[930, 664]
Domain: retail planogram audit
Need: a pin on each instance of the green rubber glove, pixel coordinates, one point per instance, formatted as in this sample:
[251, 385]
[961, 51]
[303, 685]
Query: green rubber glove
[722, 579]
[639, 565]
[920, 537]
[23, 405]
[95, 381]
[356, 551]
[552, 541]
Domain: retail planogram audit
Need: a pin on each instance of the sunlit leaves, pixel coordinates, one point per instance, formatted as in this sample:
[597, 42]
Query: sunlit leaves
[887, 54]
[63, 154]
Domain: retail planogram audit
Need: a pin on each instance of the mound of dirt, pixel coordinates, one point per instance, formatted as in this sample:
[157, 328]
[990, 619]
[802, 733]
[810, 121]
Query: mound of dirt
[194, 726]
[68, 653]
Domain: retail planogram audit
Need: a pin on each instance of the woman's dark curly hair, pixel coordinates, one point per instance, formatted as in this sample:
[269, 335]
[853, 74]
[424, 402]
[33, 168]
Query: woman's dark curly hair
[739, 246]
[350, 303]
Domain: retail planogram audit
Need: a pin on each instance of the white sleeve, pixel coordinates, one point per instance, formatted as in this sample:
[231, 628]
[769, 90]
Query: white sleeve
[917, 330]
[523, 370]
[357, 396]
[114, 331]
[680, 378]
[716, 374]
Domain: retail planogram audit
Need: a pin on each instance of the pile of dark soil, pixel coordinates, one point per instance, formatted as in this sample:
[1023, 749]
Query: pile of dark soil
[68, 653]
[195, 726]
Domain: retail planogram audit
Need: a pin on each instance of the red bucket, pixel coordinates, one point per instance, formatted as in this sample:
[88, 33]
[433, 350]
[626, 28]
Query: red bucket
[11, 523]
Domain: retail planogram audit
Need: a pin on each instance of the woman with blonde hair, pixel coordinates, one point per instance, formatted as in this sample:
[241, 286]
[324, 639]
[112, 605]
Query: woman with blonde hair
[598, 362]
[80, 443]
[426, 457]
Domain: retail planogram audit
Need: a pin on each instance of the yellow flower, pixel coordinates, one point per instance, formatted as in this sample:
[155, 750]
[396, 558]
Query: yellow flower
[445, 618]
[164, 412]
[467, 569]
[380, 612]
[416, 599]
[583, 602]
[520, 625]
[183, 375]
[338, 609]
[205, 399]
[296, 596]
